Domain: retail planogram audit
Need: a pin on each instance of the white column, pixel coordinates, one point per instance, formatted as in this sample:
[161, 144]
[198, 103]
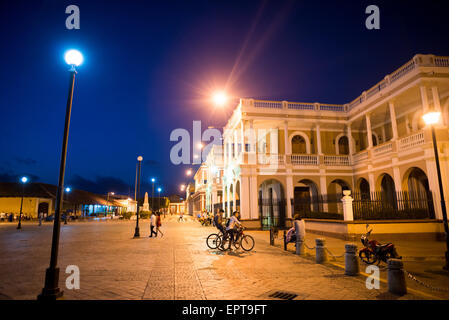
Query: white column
[384, 136]
[290, 196]
[286, 147]
[350, 139]
[318, 139]
[397, 179]
[254, 193]
[372, 184]
[323, 188]
[424, 99]
[368, 131]
[394, 125]
[244, 197]
[434, 187]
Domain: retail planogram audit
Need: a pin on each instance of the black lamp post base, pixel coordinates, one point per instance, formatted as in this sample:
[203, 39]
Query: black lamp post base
[137, 233]
[19, 227]
[51, 290]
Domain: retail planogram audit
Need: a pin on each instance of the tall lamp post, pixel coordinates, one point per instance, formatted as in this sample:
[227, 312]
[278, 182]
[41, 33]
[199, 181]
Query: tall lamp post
[159, 198]
[137, 231]
[24, 180]
[51, 289]
[152, 194]
[107, 202]
[431, 118]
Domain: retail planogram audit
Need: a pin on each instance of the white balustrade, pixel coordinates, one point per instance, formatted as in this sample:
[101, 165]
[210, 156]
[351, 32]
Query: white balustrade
[360, 156]
[337, 160]
[411, 141]
[304, 159]
[383, 148]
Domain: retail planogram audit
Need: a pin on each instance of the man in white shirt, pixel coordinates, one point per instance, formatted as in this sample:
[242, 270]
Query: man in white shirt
[233, 222]
[152, 225]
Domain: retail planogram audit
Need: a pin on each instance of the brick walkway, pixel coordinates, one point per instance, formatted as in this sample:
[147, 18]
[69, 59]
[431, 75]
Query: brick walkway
[176, 266]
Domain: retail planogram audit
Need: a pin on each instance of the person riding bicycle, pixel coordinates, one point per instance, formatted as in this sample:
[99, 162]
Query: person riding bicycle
[218, 221]
[231, 227]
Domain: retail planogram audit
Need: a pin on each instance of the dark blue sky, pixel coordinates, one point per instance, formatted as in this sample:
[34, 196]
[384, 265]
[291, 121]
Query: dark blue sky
[149, 66]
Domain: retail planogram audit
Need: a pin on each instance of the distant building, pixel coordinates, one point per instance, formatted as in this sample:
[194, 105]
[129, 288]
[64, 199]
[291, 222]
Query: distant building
[41, 198]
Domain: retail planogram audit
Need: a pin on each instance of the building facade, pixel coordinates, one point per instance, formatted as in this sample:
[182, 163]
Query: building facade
[278, 155]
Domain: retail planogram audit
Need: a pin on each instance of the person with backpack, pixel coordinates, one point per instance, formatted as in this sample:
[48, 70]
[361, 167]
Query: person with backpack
[218, 221]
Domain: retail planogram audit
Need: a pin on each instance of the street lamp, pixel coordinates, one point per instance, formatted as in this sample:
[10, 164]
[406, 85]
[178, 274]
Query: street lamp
[136, 231]
[189, 172]
[67, 190]
[23, 180]
[431, 118]
[107, 202]
[219, 98]
[51, 289]
[159, 198]
[152, 194]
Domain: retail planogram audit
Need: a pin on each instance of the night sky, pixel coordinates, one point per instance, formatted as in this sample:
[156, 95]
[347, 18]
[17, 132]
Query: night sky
[150, 67]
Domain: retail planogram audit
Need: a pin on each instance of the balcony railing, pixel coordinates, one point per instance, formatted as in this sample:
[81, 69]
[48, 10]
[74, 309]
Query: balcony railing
[360, 156]
[383, 148]
[270, 158]
[411, 141]
[304, 159]
[337, 160]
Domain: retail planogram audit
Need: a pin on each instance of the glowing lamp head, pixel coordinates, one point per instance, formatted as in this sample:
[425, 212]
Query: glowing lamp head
[73, 57]
[159, 189]
[139, 158]
[189, 172]
[152, 179]
[24, 179]
[112, 193]
[219, 98]
[68, 189]
[431, 117]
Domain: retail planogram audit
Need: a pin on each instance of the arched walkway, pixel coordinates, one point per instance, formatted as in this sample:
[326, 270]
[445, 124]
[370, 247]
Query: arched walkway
[272, 203]
[387, 190]
[342, 145]
[363, 188]
[334, 195]
[306, 198]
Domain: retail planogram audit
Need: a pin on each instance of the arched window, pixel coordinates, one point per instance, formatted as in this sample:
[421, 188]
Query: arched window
[343, 145]
[298, 145]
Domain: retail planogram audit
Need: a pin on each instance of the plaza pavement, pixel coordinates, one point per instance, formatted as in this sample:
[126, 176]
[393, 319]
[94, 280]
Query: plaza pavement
[179, 265]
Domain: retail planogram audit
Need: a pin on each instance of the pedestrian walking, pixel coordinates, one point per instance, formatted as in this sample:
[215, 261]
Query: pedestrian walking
[152, 224]
[181, 218]
[159, 224]
[40, 218]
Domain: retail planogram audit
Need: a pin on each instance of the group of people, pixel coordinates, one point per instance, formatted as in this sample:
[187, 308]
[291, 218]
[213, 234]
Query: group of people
[205, 218]
[230, 228]
[155, 222]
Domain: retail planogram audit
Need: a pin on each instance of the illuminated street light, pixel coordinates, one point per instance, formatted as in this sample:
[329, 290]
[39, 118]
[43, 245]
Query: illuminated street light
[24, 180]
[51, 289]
[219, 98]
[200, 146]
[152, 193]
[73, 58]
[107, 202]
[189, 172]
[159, 198]
[430, 119]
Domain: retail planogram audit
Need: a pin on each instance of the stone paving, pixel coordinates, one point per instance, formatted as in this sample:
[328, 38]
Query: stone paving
[178, 265]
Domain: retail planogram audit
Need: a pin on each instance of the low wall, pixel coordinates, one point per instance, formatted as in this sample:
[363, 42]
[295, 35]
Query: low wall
[387, 229]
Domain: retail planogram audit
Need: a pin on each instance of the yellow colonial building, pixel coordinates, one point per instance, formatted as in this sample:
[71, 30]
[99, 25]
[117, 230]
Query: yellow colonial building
[281, 158]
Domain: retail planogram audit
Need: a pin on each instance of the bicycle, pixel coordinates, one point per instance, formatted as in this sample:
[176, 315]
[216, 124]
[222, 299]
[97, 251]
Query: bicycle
[213, 241]
[244, 241]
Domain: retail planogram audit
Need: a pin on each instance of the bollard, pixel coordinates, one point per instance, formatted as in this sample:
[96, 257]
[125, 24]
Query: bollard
[396, 277]
[321, 255]
[300, 232]
[271, 237]
[351, 260]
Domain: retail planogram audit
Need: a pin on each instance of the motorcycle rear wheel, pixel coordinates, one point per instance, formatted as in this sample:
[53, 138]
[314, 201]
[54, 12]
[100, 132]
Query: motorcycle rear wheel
[368, 257]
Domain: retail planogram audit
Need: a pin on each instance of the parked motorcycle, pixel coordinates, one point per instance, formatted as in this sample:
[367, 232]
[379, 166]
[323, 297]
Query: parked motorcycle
[374, 251]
